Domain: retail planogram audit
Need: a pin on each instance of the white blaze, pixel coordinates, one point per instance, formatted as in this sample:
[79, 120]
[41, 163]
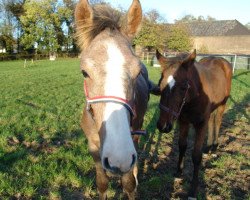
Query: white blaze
[171, 81]
[118, 145]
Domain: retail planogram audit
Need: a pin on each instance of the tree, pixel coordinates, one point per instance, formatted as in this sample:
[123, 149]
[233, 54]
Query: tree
[15, 7]
[66, 13]
[186, 18]
[179, 39]
[97, 2]
[41, 23]
[7, 27]
[154, 17]
[7, 42]
[191, 18]
[152, 32]
[248, 25]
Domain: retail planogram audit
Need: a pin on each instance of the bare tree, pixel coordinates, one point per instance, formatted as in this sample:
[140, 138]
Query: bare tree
[191, 18]
[154, 16]
[248, 25]
[7, 26]
[97, 2]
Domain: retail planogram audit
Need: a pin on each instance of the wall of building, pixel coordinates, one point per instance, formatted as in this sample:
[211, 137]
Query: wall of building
[223, 44]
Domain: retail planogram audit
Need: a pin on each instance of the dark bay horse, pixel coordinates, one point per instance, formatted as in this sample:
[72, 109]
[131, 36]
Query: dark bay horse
[193, 93]
[116, 88]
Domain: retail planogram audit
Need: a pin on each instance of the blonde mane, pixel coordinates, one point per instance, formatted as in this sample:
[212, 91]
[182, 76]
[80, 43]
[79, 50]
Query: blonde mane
[103, 17]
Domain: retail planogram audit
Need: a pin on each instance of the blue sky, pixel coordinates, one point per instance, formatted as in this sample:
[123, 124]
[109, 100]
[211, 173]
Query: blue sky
[175, 9]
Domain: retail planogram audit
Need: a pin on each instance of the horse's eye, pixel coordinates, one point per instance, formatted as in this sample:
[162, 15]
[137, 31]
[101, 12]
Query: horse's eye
[85, 74]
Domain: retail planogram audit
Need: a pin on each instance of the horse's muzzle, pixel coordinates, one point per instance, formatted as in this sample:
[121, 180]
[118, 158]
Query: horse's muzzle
[116, 169]
[165, 128]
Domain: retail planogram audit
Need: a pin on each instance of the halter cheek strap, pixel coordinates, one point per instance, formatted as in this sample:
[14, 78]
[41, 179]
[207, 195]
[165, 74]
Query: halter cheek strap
[166, 109]
[169, 110]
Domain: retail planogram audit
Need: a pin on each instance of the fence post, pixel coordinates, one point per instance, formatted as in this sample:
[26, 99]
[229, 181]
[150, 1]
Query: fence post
[25, 62]
[231, 59]
[248, 63]
[147, 57]
[235, 56]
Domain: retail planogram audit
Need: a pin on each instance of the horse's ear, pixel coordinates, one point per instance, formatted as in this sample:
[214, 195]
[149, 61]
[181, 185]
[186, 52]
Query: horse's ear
[134, 19]
[190, 58]
[161, 59]
[83, 12]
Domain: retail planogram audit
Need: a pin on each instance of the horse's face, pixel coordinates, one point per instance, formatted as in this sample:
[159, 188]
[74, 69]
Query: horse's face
[173, 89]
[110, 69]
[170, 96]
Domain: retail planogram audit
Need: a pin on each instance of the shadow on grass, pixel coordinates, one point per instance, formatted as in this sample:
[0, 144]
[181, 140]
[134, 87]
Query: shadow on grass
[21, 101]
[8, 160]
[238, 108]
[233, 142]
[240, 74]
[60, 143]
[158, 158]
[156, 169]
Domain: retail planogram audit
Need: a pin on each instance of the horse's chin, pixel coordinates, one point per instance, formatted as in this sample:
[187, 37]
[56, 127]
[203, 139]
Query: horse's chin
[114, 172]
[164, 129]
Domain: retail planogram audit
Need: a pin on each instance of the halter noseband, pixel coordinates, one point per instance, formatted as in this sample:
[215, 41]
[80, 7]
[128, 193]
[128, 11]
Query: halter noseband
[174, 113]
[107, 99]
[111, 99]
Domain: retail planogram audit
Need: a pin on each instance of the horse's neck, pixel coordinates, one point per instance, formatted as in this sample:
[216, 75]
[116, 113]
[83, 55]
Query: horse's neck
[194, 74]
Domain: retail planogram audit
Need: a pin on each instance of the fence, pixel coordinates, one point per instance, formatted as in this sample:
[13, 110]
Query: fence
[6, 57]
[237, 61]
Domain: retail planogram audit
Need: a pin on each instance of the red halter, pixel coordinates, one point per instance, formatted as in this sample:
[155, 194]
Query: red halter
[113, 99]
[106, 99]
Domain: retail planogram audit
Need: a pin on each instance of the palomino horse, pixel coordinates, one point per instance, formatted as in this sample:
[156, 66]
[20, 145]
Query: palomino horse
[116, 88]
[194, 93]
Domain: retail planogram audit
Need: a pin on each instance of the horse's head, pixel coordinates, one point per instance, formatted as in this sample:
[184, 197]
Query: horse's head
[174, 86]
[110, 69]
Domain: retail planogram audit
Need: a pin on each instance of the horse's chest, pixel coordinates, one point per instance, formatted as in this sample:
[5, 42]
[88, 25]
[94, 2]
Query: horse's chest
[193, 115]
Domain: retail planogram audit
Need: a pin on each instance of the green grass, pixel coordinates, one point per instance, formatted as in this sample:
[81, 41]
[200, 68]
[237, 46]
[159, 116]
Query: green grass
[43, 153]
[42, 148]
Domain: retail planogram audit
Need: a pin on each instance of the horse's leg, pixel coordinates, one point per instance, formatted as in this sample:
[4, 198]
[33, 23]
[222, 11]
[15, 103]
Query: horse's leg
[218, 120]
[101, 181]
[200, 130]
[88, 125]
[210, 133]
[184, 127]
[129, 182]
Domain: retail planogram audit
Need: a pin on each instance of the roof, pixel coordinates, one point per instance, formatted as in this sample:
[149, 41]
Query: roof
[217, 28]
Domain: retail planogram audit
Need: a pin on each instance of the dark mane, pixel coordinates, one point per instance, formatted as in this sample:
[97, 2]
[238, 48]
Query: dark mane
[103, 17]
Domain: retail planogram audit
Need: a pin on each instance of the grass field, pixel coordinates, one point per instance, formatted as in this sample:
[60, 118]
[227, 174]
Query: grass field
[44, 155]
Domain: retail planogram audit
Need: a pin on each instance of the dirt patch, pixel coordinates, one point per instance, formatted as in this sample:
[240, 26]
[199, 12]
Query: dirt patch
[224, 175]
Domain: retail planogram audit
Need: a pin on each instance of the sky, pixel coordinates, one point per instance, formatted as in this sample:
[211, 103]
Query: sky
[176, 9]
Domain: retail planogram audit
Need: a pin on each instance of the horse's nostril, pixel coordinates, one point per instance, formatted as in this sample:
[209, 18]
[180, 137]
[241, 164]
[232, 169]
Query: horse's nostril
[159, 125]
[133, 160]
[106, 163]
[168, 127]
